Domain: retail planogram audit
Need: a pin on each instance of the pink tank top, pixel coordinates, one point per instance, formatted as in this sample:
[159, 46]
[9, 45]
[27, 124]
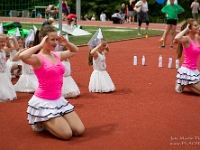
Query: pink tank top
[191, 55]
[50, 78]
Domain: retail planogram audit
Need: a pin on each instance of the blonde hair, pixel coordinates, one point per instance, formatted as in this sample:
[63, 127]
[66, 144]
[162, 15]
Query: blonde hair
[2, 35]
[179, 50]
[50, 20]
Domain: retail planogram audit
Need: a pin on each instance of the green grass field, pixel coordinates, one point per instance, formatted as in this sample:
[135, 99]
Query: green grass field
[109, 33]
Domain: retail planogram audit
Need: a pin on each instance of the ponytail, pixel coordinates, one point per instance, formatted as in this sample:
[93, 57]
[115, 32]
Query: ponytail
[90, 59]
[179, 51]
[37, 38]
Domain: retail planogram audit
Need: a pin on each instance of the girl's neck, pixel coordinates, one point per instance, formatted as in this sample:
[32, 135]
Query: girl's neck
[45, 52]
[191, 36]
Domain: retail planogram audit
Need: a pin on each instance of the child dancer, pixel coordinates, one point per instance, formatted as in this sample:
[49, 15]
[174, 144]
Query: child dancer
[27, 82]
[188, 75]
[15, 67]
[100, 80]
[48, 107]
[7, 91]
[70, 88]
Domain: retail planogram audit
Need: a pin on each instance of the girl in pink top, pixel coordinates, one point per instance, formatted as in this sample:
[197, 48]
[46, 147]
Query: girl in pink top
[188, 75]
[48, 108]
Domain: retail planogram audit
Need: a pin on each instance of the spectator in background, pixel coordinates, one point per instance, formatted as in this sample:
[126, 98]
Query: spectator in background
[172, 10]
[52, 11]
[103, 16]
[127, 17]
[81, 18]
[131, 11]
[72, 20]
[117, 18]
[93, 18]
[48, 22]
[39, 15]
[123, 11]
[65, 11]
[86, 17]
[195, 9]
[142, 16]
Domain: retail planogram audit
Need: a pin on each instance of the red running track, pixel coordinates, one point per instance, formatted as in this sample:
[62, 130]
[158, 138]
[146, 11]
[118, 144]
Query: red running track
[144, 113]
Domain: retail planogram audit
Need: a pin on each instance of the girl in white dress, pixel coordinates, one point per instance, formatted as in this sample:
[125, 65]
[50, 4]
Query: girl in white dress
[15, 67]
[70, 88]
[28, 81]
[100, 80]
[7, 91]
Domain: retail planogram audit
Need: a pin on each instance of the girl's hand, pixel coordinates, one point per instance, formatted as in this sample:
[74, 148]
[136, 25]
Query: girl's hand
[103, 45]
[62, 41]
[187, 27]
[43, 40]
[10, 37]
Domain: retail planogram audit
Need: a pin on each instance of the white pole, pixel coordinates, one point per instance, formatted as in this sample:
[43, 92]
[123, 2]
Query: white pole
[60, 16]
[78, 9]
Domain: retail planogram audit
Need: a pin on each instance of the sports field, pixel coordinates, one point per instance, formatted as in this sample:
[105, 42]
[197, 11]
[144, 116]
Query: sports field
[144, 113]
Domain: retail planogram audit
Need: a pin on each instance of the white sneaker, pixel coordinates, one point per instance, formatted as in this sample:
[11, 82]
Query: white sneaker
[178, 88]
[38, 127]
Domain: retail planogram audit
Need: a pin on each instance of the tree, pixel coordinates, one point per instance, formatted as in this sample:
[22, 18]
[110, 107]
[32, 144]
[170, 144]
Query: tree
[109, 7]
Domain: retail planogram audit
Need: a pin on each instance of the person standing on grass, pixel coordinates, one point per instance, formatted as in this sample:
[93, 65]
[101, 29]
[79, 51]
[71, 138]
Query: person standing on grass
[48, 109]
[188, 75]
[195, 9]
[172, 10]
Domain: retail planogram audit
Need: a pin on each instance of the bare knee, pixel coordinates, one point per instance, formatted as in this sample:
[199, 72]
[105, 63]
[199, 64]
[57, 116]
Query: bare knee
[61, 134]
[79, 131]
[66, 135]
